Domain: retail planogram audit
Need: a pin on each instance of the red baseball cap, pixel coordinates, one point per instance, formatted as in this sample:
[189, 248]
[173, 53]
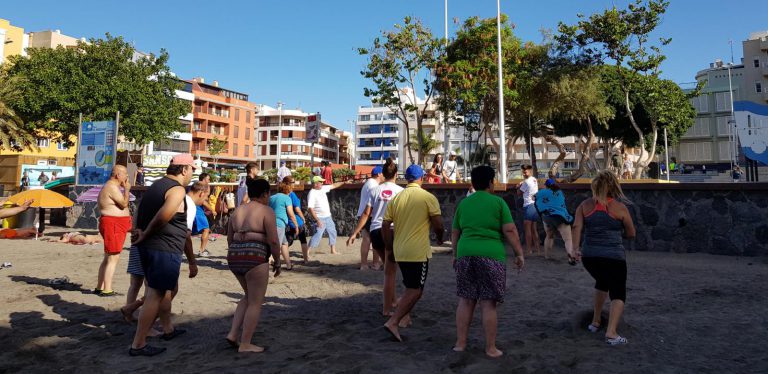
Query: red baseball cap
[183, 159]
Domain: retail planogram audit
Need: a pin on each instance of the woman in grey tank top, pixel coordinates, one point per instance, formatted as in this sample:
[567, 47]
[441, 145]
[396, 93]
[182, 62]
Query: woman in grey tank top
[605, 223]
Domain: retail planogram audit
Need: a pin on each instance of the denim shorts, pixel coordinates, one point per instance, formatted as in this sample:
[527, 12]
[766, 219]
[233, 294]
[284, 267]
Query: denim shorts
[530, 213]
[161, 268]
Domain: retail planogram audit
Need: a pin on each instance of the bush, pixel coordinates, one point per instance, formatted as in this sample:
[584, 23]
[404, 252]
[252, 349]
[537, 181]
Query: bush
[270, 175]
[343, 174]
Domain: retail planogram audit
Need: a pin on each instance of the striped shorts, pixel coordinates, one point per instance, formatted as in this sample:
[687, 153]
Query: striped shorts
[134, 263]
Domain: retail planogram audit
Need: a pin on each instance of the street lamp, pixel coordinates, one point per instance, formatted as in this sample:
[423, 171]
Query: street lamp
[731, 123]
[503, 147]
[279, 154]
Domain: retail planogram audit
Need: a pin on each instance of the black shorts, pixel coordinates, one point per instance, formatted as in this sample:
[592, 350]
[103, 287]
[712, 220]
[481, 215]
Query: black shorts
[377, 242]
[290, 238]
[367, 226]
[161, 268]
[553, 221]
[414, 274]
[610, 275]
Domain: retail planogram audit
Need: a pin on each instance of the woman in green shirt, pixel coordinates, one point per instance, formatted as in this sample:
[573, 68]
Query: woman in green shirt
[480, 224]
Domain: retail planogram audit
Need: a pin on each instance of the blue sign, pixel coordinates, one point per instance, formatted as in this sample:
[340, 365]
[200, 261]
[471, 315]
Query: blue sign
[96, 152]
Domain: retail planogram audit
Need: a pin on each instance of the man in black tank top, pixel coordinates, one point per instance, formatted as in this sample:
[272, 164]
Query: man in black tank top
[161, 236]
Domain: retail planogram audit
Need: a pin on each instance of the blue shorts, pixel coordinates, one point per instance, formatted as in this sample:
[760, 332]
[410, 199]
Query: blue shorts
[201, 221]
[161, 268]
[134, 263]
[530, 213]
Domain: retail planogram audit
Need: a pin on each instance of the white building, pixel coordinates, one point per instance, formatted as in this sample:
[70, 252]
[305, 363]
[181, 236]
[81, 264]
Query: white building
[285, 128]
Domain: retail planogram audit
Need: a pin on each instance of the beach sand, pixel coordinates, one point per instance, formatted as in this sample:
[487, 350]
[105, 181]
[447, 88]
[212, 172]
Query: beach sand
[685, 313]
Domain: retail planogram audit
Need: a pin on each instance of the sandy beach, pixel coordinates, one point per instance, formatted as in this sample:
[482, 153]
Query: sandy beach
[685, 313]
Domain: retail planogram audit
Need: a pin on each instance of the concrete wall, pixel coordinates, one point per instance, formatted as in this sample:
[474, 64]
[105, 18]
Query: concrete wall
[729, 219]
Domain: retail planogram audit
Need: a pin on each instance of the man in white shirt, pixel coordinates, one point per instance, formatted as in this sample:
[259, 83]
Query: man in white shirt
[451, 169]
[365, 198]
[320, 210]
[528, 188]
[251, 171]
[282, 172]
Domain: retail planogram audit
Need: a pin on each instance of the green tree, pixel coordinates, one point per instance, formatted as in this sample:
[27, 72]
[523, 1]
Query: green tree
[622, 37]
[403, 58]
[13, 134]
[97, 79]
[423, 143]
[216, 147]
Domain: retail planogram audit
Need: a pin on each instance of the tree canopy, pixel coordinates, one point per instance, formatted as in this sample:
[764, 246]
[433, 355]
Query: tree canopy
[97, 79]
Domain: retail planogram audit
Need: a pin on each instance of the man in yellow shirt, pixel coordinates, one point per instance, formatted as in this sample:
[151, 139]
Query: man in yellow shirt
[411, 211]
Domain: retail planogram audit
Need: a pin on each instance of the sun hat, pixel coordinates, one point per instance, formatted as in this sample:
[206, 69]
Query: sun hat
[317, 178]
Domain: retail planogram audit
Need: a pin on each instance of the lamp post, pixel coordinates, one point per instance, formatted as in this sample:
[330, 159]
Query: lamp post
[381, 138]
[279, 133]
[503, 148]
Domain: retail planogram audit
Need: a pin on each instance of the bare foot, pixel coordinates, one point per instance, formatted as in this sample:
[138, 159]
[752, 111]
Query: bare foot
[393, 331]
[128, 317]
[405, 321]
[493, 352]
[363, 267]
[376, 267]
[250, 348]
[154, 332]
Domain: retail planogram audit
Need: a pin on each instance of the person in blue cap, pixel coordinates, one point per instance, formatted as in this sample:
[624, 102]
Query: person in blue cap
[365, 199]
[412, 212]
[550, 203]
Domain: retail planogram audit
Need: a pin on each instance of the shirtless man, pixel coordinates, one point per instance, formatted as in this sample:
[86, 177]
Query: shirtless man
[79, 238]
[114, 223]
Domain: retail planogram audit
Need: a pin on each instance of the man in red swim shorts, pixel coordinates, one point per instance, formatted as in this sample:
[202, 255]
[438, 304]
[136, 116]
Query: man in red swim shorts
[114, 223]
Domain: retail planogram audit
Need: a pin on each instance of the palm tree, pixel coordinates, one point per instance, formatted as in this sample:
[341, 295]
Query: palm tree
[13, 134]
[428, 143]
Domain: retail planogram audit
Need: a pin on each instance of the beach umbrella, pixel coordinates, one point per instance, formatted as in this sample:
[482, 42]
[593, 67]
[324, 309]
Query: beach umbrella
[45, 199]
[92, 195]
[42, 199]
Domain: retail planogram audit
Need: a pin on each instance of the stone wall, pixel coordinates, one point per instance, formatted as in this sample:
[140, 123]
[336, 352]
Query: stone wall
[730, 219]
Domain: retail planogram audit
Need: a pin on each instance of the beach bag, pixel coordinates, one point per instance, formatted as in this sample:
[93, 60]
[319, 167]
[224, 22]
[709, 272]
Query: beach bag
[310, 225]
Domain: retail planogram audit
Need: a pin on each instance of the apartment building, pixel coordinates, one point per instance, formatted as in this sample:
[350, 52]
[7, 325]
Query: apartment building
[13, 40]
[346, 148]
[223, 114]
[285, 129]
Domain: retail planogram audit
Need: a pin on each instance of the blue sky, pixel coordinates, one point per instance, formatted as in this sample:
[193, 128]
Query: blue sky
[303, 52]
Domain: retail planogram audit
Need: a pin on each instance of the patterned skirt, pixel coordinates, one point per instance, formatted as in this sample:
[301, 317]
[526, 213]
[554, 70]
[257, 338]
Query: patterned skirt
[480, 278]
[244, 256]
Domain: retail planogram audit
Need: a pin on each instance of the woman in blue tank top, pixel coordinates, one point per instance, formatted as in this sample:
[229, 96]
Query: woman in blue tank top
[605, 223]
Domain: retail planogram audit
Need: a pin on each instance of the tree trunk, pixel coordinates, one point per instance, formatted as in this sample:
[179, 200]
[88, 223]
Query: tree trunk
[639, 167]
[408, 142]
[585, 153]
[531, 154]
[561, 148]
[419, 139]
[642, 164]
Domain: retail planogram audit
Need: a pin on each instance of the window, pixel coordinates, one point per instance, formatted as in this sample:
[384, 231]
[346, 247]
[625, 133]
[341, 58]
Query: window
[723, 101]
[237, 128]
[247, 117]
[245, 153]
[247, 133]
[234, 149]
[756, 62]
[61, 146]
[758, 87]
[43, 143]
[701, 103]
[696, 151]
[700, 128]
[237, 114]
[724, 150]
[722, 125]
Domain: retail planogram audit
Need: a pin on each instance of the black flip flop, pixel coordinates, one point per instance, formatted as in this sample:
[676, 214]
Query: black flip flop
[171, 335]
[146, 350]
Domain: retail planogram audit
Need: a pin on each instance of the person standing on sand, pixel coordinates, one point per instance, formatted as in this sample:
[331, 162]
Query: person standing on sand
[603, 220]
[161, 237]
[375, 208]
[480, 224]
[528, 188]
[300, 219]
[320, 209]
[197, 195]
[282, 204]
[550, 203]
[251, 172]
[114, 223]
[411, 211]
[365, 198]
[201, 225]
[252, 238]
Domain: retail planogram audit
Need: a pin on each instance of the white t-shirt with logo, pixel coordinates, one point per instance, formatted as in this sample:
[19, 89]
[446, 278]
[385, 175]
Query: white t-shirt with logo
[379, 198]
[318, 201]
[529, 188]
[365, 195]
[449, 169]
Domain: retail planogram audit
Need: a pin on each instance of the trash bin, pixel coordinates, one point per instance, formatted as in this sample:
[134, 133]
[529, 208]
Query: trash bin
[10, 222]
[26, 218]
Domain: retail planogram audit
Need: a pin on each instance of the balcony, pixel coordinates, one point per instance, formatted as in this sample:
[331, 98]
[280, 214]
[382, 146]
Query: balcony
[764, 45]
[377, 148]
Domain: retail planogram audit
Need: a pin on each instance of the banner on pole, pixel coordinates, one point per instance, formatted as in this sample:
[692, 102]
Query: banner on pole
[313, 128]
[96, 151]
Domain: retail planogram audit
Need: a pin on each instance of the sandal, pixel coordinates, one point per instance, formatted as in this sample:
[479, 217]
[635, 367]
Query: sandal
[146, 350]
[172, 334]
[593, 328]
[618, 340]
